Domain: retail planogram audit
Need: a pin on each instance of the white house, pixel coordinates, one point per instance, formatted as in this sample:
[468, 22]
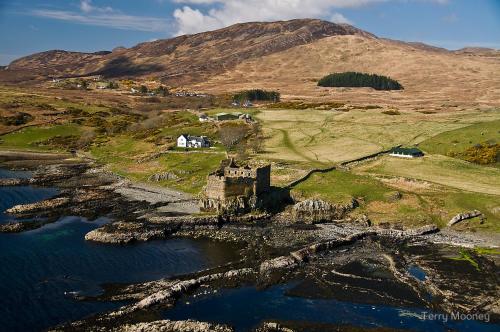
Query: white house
[406, 153]
[188, 141]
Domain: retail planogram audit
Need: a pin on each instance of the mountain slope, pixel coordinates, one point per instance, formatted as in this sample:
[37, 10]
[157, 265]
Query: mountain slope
[185, 59]
[429, 75]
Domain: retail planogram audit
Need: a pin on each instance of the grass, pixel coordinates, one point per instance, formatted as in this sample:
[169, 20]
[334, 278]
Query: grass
[326, 137]
[178, 123]
[192, 169]
[457, 141]
[27, 139]
[487, 251]
[441, 170]
[341, 186]
[467, 257]
[123, 155]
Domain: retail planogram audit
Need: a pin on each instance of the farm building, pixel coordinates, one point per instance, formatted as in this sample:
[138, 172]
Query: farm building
[406, 152]
[188, 141]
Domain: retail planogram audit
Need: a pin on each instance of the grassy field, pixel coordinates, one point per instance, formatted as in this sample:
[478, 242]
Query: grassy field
[322, 137]
[125, 156]
[28, 138]
[341, 186]
[457, 141]
[441, 170]
[406, 201]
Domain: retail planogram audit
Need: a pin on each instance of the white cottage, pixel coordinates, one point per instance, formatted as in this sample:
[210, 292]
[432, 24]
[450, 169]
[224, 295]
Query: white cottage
[188, 141]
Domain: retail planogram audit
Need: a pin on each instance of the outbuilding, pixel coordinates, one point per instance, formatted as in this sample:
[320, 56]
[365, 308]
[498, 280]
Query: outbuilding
[406, 152]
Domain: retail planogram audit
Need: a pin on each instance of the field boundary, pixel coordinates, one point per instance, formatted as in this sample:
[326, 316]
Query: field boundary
[331, 168]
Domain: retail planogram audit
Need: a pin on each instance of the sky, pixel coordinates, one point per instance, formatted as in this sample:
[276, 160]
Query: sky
[29, 26]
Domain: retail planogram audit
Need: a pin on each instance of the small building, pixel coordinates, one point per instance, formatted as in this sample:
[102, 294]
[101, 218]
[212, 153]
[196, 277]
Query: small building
[188, 141]
[203, 118]
[406, 152]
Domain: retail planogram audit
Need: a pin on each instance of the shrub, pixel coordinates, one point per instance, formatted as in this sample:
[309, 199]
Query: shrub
[16, 120]
[483, 154]
[354, 79]
[392, 112]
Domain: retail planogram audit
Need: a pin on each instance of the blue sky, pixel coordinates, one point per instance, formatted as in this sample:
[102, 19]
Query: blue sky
[30, 26]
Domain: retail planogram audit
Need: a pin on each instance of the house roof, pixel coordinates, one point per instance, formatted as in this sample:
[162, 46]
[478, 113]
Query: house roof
[407, 151]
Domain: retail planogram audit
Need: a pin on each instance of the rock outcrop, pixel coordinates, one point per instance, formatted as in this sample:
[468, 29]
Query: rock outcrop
[315, 211]
[42, 205]
[13, 182]
[464, 216]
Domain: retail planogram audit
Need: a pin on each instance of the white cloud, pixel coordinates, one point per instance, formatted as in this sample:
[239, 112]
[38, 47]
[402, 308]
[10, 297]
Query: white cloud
[87, 7]
[339, 18]
[222, 13]
[110, 20]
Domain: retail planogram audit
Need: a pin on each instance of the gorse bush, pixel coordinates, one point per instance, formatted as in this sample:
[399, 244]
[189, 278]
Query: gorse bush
[354, 79]
[257, 95]
[483, 154]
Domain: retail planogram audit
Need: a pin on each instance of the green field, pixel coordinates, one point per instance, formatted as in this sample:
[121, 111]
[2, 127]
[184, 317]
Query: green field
[457, 141]
[341, 186]
[323, 137]
[124, 156]
[439, 169]
[28, 138]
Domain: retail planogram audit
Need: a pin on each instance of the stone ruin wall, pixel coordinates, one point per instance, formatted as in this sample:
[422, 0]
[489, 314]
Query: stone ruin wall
[263, 179]
[236, 183]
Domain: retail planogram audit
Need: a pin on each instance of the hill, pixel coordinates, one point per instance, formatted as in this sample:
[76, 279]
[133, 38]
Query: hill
[290, 57]
[184, 59]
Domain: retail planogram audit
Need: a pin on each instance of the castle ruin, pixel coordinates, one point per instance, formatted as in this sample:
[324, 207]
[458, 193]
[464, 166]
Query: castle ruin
[232, 187]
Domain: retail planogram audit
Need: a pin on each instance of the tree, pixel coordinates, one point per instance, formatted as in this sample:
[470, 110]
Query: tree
[143, 89]
[162, 91]
[232, 135]
[257, 95]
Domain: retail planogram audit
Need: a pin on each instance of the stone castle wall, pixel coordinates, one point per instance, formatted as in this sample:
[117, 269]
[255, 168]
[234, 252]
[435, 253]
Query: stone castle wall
[232, 184]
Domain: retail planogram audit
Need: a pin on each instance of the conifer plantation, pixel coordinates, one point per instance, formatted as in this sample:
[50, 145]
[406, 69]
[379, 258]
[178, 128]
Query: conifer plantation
[356, 80]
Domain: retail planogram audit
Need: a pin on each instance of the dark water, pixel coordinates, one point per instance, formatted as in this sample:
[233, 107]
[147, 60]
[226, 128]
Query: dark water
[244, 308]
[7, 174]
[40, 268]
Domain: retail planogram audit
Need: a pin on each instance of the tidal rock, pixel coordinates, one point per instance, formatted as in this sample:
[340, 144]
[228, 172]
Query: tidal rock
[174, 326]
[464, 216]
[42, 205]
[12, 182]
[279, 263]
[124, 233]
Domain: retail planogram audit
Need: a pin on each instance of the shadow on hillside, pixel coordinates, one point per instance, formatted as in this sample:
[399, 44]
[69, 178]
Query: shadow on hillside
[122, 66]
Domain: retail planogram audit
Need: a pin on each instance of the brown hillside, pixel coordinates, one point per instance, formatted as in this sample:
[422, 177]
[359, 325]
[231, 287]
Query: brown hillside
[429, 75]
[184, 59]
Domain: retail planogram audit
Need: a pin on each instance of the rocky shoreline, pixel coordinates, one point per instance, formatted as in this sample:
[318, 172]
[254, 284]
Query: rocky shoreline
[300, 243]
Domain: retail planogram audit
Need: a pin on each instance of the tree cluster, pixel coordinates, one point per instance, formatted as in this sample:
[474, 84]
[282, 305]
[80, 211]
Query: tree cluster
[354, 79]
[257, 95]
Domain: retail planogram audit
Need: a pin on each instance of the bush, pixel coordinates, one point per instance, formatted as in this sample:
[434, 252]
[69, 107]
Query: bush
[391, 112]
[257, 95]
[16, 120]
[483, 154]
[354, 79]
